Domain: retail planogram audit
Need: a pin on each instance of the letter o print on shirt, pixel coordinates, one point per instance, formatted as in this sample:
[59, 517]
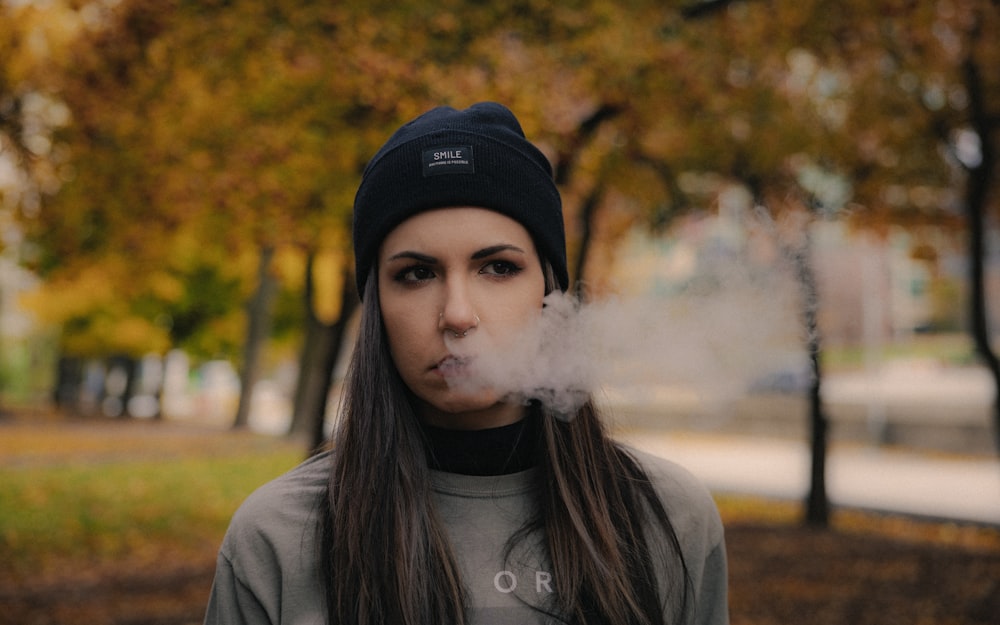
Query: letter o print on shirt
[505, 582]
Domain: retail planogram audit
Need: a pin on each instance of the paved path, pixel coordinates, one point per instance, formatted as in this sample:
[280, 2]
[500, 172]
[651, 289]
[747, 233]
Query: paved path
[934, 485]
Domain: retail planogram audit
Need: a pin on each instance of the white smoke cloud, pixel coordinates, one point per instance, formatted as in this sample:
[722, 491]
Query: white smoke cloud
[715, 337]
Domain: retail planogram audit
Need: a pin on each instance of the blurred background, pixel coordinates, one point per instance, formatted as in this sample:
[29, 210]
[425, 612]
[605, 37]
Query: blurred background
[805, 192]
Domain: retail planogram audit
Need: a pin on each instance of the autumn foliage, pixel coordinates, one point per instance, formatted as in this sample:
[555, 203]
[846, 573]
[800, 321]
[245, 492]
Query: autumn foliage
[201, 134]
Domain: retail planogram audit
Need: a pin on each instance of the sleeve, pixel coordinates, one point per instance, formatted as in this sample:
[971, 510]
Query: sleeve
[231, 602]
[698, 526]
[712, 593]
[267, 571]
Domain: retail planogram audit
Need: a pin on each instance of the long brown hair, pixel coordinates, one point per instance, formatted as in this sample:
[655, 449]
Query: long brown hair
[386, 558]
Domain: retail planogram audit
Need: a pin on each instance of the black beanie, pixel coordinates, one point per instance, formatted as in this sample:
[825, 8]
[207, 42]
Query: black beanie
[478, 157]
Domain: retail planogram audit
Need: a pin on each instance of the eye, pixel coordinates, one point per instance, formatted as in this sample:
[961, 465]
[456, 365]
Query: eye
[500, 268]
[414, 274]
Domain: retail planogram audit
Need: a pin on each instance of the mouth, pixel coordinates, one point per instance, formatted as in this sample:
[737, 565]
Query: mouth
[451, 366]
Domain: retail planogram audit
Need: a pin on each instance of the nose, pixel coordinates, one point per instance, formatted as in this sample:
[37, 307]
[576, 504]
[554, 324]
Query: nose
[458, 313]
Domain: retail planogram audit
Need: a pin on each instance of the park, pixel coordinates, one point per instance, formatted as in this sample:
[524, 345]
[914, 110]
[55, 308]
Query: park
[780, 222]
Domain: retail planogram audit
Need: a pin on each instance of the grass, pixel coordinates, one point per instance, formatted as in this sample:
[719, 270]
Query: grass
[93, 494]
[949, 349]
[750, 510]
[119, 522]
[70, 501]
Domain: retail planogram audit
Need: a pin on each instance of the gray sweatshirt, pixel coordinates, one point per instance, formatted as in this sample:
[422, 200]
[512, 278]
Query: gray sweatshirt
[267, 571]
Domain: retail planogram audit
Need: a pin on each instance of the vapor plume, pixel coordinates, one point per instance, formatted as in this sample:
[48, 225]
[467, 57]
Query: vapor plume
[715, 336]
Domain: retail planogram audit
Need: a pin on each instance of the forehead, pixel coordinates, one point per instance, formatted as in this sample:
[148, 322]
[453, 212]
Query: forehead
[450, 227]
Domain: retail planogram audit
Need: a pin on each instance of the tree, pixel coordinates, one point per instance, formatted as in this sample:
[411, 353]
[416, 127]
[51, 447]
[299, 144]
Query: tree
[321, 350]
[244, 152]
[981, 173]
[887, 97]
[816, 106]
[29, 112]
[241, 152]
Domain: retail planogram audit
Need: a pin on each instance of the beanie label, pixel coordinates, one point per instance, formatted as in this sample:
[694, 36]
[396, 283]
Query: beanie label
[453, 159]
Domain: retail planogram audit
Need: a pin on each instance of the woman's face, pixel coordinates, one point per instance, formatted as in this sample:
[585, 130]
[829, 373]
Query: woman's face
[452, 281]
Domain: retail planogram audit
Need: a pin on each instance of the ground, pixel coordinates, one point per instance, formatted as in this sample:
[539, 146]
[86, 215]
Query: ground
[792, 575]
[779, 574]
[869, 569]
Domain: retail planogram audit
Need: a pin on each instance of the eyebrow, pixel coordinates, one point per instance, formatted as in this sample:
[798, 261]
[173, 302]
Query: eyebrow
[424, 258]
[486, 252]
[495, 249]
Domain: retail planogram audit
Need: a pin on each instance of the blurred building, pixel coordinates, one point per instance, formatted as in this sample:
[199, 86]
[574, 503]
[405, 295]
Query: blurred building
[869, 290]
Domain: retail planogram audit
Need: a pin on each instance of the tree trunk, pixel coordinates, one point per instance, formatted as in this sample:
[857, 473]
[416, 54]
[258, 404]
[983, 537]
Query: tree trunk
[69, 381]
[119, 386]
[320, 352]
[976, 195]
[348, 304]
[312, 346]
[311, 389]
[588, 214]
[568, 158]
[258, 329]
[977, 304]
[817, 504]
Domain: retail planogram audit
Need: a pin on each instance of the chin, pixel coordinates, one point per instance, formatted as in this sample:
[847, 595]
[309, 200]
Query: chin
[458, 403]
[467, 403]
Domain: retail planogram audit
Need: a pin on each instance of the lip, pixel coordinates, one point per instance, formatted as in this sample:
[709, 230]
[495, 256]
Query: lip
[451, 366]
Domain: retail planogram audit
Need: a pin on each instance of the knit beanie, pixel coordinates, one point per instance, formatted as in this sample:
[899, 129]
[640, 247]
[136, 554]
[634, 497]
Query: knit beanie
[478, 157]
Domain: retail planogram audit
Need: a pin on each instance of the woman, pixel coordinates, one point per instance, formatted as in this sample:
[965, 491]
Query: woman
[442, 502]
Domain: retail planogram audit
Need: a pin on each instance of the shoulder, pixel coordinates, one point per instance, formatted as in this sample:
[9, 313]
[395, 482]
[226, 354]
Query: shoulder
[671, 479]
[269, 561]
[687, 500]
[279, 514]
[700, 534]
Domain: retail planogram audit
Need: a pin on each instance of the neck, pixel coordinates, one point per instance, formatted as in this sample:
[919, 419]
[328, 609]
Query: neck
[497, 415]
[489, 451]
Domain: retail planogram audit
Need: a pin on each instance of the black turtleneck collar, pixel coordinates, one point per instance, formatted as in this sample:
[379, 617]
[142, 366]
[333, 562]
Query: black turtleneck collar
[494, 451]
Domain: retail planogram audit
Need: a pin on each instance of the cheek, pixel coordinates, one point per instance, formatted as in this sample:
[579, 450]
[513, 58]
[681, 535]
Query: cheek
[513, 316]
[526, 304]
[405, 331]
